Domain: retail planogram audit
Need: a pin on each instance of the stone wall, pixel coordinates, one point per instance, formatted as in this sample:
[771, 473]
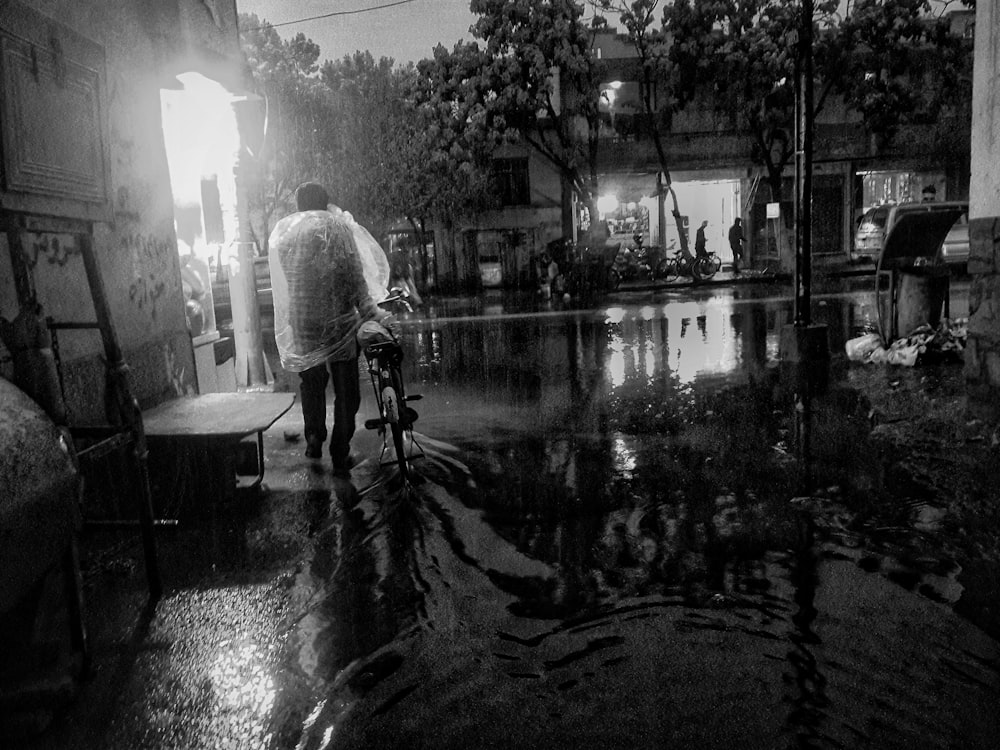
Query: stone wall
[982, 357]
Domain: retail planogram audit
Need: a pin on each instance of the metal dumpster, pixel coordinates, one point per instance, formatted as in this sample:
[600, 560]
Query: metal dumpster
[912, 281]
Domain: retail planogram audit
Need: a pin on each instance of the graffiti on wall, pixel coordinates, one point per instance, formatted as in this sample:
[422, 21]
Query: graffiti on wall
[151, 258]
[55, 249]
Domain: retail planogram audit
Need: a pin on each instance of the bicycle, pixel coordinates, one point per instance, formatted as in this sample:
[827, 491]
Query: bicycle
[384, 357]
[678, 264]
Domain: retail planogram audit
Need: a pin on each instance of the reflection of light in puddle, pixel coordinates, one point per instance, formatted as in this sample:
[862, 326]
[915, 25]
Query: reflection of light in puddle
[708, 349]
[698, 335]
[241, 677]
[616, 360]
[614, 315]
[624, 456]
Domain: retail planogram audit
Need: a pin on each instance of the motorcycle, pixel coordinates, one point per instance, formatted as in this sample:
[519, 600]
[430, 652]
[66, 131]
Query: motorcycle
[631, 264]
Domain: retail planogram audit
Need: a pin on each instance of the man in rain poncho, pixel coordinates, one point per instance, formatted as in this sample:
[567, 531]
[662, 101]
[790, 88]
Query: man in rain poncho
[327, 274]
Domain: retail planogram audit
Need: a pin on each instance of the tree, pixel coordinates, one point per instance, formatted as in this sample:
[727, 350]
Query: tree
[411, 145]
[543, 83]
[372, 134]
[296, 144]
[889, 60]
[650, 43]
[454, 140]
[895, 63]
[741, 59]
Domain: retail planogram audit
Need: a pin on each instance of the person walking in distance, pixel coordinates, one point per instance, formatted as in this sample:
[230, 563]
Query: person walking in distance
[699, 241]
[325, 284]
[736, 243]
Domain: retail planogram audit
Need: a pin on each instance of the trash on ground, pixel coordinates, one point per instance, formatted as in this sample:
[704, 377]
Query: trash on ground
[922, 345]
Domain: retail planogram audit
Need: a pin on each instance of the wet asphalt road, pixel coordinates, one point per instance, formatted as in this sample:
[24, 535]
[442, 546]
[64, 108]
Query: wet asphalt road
[631, 529]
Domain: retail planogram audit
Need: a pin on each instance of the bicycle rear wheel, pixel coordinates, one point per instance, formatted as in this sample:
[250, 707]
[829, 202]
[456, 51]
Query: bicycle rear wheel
[396, 427]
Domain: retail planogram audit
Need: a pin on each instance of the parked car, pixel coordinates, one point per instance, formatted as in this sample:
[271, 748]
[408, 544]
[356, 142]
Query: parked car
[955, 249]
[869, 235]
[876, 222]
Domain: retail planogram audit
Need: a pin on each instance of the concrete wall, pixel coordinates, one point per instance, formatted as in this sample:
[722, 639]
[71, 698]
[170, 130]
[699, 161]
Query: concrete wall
[982, 357]
[145, 43]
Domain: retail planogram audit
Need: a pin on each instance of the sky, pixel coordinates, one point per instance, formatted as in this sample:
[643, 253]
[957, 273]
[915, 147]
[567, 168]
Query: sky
[406, 31]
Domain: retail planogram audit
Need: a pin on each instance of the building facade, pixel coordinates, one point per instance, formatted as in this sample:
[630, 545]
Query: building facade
[716, 178]
[117, 118]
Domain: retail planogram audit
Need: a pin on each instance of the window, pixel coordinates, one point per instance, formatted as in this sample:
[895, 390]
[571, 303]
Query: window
[512, 181]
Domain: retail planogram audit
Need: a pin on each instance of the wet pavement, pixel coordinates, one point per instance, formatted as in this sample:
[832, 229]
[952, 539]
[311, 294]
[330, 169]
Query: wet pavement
[631, 528]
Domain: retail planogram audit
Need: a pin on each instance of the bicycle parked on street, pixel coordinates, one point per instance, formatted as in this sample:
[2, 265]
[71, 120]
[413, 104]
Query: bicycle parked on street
[395, 419]
[698, 268]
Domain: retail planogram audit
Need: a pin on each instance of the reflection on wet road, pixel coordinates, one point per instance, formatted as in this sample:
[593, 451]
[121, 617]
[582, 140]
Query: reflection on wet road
[632, 530]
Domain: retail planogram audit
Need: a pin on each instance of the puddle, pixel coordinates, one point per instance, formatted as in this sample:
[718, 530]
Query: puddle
[636, 529]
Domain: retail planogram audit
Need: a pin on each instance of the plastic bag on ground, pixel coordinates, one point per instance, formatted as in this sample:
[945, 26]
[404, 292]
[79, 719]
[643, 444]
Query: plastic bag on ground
[860, 348]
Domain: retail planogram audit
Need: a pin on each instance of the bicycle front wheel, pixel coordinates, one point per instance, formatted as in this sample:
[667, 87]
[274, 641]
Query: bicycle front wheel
[702, 269]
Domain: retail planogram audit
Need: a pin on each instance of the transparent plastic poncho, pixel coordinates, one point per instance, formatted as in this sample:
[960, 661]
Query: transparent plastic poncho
[313, 322]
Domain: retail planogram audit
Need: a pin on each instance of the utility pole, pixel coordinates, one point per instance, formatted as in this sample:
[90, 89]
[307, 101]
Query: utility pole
[251, 364]
[803, 341]
[803, 167]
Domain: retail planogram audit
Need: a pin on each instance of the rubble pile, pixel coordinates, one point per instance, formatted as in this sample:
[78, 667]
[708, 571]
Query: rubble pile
[924, 344]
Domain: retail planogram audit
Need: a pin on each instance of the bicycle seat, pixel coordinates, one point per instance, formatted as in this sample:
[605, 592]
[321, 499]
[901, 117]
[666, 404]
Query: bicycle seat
[389, 351]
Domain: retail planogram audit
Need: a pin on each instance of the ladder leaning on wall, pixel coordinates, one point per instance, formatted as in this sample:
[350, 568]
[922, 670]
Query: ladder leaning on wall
[124, 429]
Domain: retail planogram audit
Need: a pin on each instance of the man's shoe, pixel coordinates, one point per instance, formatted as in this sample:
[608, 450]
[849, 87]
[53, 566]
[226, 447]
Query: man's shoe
[342, 467]
[314, 448]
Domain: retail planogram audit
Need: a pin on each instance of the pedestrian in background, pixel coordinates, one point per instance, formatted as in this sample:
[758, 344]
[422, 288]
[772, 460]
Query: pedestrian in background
[699, 241]
[401, 277]
[736, 243]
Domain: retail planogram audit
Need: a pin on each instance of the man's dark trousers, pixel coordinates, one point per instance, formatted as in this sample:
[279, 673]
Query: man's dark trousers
[346, 402]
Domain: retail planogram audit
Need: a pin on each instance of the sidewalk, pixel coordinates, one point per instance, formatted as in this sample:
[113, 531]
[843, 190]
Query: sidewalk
[726, 277]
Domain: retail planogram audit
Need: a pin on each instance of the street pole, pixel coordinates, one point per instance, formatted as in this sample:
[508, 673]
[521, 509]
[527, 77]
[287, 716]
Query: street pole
[251, 364]
[802, 341]
[803, 168]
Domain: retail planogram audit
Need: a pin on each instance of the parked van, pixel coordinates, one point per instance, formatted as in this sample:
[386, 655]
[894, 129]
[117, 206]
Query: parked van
[876, 222]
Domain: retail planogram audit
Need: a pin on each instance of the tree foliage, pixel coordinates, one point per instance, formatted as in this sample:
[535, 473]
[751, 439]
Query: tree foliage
[412, 149]
[542, 82]
[391, 143]
[895, 63]
[740, 58]
[890, 61]
[297, 142]
[638, 18]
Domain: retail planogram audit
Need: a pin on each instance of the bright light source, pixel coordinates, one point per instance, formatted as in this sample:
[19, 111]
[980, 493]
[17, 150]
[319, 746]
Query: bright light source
[202, 139]
[606, 204]
[199, 128]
